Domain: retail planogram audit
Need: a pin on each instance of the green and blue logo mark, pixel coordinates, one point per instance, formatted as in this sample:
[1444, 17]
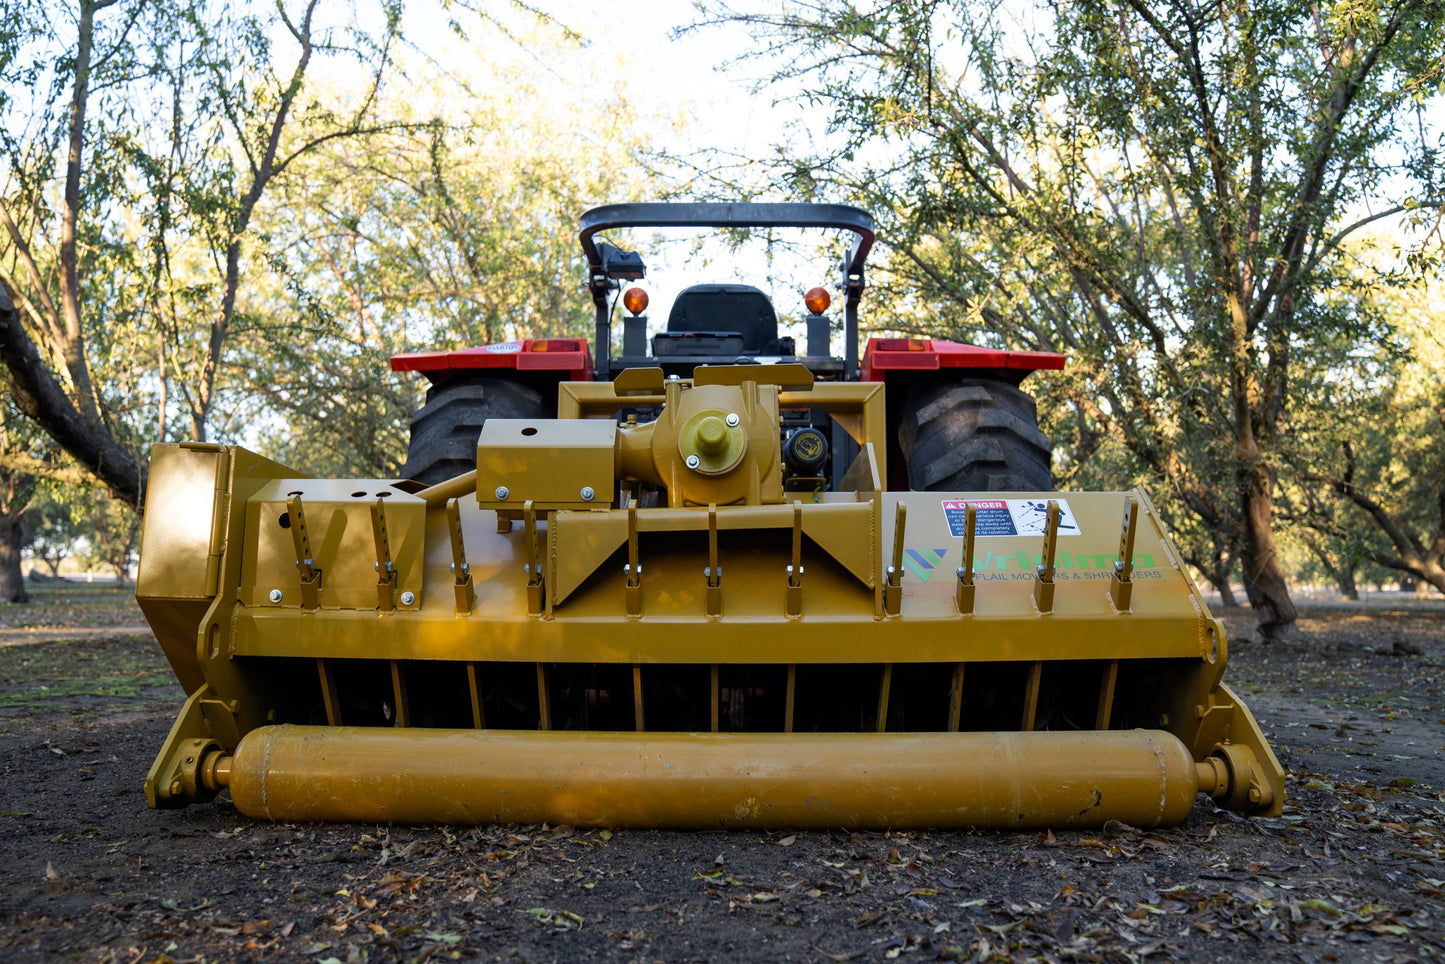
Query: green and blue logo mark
[922, 562]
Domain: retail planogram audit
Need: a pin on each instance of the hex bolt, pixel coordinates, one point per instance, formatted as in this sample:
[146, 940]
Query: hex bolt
[408, 597]
[1254, 795]
[501, 493]
[733, 419]
[587, 494]
[274, 595]
[693, 461]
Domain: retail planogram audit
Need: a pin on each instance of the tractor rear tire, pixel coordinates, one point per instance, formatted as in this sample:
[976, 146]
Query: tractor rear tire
[974, 435]
[444, 431]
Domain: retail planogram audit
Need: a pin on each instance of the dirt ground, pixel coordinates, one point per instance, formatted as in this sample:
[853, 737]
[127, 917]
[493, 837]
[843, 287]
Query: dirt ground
[1353, 870]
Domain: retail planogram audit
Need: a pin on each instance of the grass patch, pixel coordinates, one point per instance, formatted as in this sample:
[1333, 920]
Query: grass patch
[72, 606]
[90, 677]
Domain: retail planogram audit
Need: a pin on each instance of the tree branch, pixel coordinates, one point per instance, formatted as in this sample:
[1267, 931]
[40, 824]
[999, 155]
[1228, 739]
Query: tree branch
[37, 394]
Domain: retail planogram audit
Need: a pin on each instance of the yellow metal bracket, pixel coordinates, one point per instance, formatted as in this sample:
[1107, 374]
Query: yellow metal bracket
[713, 571]
[465, 590]
[535, 586]
[893, 579]
[474, 690]
[964, 592]
[220, 506]
[401, 711]
[632, 569]
[1121, 586]
[305, 561]
[1044, 581]
[175, 779]
[330, 695]
[384, 566]
[795, 569]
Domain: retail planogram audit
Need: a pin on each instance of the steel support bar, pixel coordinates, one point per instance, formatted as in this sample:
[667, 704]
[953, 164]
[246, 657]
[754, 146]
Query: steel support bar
[1144, 778]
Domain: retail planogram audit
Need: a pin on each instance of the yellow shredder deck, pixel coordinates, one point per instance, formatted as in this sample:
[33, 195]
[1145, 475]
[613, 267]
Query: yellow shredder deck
[638, 623]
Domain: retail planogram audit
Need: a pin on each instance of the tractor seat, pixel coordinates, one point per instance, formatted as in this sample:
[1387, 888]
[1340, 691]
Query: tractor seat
[727, 308]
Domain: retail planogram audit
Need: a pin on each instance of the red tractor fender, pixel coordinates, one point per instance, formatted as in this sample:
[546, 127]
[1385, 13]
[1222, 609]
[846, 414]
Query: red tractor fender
[884, 355]
[573, 356]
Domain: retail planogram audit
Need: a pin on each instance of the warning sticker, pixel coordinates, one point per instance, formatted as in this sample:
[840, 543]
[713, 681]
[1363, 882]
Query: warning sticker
[1008, 517]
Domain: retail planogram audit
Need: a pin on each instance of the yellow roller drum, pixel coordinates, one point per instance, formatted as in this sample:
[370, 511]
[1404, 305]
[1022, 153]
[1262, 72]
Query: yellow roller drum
[686, 780]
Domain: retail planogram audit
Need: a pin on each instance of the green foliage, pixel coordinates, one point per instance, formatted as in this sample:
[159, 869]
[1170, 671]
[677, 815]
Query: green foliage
[1160, 191]
[111, 532]
[450, 233]
[271, 200]
[1369, 461]
[54, 532]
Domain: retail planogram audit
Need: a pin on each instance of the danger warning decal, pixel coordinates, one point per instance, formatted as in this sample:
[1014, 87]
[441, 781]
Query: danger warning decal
[1008, 517]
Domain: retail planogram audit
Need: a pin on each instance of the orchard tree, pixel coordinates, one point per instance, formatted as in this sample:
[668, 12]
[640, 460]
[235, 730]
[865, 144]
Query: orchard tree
[54, 528]
[456, 228]
[1369, 465]
[125, 240]
[19, 480]
[1156, 187]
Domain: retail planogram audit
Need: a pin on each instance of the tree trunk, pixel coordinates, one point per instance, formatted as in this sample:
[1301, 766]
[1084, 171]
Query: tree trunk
[37, 394]
[1263, 579]
[74, 347]
[1227, 599]
[1343, 575]
[1219, 566]
[12, 540]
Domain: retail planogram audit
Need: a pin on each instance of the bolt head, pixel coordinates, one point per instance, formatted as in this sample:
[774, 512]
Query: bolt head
[733, 419]
[501, 493]
[407, 598]
[693, 461]
[274, 595]
[587, 494]
[1254, 795]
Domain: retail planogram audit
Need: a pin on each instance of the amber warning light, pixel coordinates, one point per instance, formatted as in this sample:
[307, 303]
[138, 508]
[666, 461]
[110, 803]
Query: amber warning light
[817, 300]
[635, 300]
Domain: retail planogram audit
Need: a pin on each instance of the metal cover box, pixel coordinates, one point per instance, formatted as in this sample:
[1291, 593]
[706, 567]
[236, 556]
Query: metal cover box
[556, 464]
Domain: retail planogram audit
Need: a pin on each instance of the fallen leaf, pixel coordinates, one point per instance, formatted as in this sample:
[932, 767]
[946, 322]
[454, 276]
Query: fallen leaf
[1323, 906]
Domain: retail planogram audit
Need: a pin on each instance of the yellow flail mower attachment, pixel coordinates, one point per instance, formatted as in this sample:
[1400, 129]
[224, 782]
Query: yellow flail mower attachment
[639, 620]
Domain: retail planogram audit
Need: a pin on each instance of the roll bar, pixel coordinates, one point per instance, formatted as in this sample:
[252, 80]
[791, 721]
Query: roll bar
[727, 215]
